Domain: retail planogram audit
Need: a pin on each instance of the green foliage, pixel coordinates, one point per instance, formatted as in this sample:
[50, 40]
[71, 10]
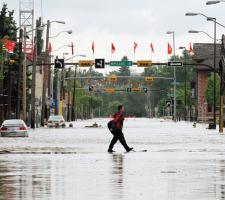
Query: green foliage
[40, 41]
[209, 90]
[7, 24]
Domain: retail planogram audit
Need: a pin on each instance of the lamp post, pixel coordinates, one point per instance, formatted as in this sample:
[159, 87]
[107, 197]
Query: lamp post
[175, 79]
[214, 62]
[185, 84]
[47, 71]
[213, 2]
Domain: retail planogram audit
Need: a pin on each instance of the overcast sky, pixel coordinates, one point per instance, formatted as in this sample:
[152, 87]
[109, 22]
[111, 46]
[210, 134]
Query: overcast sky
[125, 21]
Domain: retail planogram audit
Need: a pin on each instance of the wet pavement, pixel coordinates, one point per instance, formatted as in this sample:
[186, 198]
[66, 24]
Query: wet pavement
[182, 163]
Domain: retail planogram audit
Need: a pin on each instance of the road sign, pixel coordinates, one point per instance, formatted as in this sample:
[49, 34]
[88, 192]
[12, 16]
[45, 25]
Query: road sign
[149, 78]
[99, 63]
[110, 90]
[125, 63]
[86, 63]
[175, 64]
[59, 63]
[144, 63]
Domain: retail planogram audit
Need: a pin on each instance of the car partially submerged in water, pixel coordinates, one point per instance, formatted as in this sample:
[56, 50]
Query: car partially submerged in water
[14, 128]
[56, 121]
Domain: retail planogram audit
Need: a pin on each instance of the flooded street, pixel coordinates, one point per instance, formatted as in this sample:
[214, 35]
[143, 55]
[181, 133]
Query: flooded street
[182, 163]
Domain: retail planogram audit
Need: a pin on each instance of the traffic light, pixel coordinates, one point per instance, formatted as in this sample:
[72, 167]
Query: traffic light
[129, 89]
[145, 90]
[91, 88]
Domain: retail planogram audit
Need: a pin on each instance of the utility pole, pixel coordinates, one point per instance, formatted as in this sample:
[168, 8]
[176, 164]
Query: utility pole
[24, 79]
[33, 82]
[1, 82]
[74, 94]
[19, 75]
[45, 76]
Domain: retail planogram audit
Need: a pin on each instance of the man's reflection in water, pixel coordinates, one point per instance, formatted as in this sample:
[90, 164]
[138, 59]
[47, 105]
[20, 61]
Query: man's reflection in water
[117, 176]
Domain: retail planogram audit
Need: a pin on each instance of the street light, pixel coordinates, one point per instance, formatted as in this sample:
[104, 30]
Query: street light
[213, 2]
[47, 71]
[174, 70]
[185, 83]
[214, 62]
[68, 31]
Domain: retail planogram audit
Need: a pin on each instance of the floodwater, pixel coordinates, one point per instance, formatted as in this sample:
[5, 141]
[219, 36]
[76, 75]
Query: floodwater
[182, 163]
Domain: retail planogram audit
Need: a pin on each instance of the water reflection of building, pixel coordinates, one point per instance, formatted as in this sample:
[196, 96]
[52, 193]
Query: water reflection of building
[117, 176]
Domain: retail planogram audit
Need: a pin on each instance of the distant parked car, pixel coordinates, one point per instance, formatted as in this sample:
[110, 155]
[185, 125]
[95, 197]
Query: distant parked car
[56, 121]
[14, 128]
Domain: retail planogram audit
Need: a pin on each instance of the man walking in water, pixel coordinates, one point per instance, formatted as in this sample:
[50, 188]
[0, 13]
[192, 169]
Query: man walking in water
[117, 132]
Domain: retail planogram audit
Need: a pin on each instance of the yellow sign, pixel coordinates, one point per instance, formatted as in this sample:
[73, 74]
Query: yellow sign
[113, 78]
[135, 89]
[149, 78]
[110, 90]
[144, 63]
[86, 63]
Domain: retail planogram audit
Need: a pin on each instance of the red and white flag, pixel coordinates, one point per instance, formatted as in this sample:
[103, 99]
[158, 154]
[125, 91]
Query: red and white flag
[190, 48]
[152, 48]
[10, 45]
[135, 46]
[113, 49]
[93, 47]
[169, 49]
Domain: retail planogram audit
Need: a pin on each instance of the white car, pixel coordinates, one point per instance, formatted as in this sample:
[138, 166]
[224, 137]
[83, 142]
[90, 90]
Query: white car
[14, 128]
[56, 121]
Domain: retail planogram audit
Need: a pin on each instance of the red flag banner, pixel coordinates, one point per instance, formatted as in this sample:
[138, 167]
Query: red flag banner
[152, 48]
[10, 45]
[169, 49]
[93, 47]
[135, 46]
[190, 48]
[113, 49]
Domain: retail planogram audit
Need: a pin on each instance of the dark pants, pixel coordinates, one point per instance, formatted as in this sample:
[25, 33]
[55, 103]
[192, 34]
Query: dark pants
[118, 135]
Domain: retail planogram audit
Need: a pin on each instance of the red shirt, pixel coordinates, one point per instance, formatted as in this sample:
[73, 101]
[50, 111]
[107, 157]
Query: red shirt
[119, 118]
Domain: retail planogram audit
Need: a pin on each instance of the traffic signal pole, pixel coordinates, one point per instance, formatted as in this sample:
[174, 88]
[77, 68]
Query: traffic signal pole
[45, 77]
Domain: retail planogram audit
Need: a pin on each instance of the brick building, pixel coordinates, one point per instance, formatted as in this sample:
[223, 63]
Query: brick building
[204, 56]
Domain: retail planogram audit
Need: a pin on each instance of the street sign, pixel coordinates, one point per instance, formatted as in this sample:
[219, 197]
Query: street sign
[175, 64]
[99, 63]
[149, 78]
[110, 90]
[125, 63]
[59, 63]
[86, 63]
[144, 63]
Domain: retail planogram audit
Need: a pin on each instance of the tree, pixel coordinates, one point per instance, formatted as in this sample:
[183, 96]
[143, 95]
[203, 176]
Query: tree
[123, 70]
[209, 90]
[40, 41]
